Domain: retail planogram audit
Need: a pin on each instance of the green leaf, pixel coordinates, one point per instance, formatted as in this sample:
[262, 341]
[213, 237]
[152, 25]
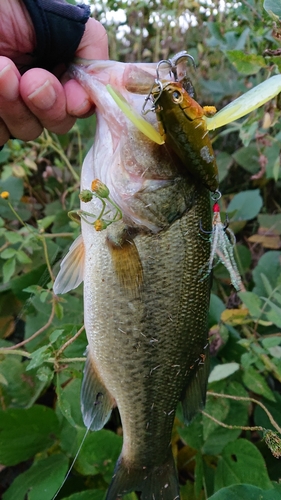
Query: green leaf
[271, 342]
[252, 302]
[274, 314]
[243, 258]
[256, 383]
[224, 162]
[39, 357]
[55, 335]
[237, 415]
[42, 480]
[248, 158]
[266, 284]
[246, 205]
[216, 308]
[9, 269]
[22, 388]
[269, 265]
[275, 351]
[217, 408]
[276, 169]
[46, 222]
[69, 402]
[99, 454]
[241, 462]
[246, 64]
[13, 237]
[199, 474]
[273, 8]
[270, 221]
[245, 492]
[8, 253]
[20, 283]
[223, 371]
[14, 186]
[23, 433]
[22, 257]
[3, 380]
[274, 408]
[87, 495]
[248, 359]
[193, 433]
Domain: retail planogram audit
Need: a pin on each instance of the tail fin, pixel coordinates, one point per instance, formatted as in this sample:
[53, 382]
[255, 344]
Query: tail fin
[157, 483]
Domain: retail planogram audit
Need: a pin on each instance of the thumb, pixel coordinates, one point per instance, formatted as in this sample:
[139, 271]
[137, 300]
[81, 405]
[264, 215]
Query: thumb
[94, 44]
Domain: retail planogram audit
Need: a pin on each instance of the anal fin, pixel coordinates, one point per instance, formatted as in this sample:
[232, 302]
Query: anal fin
[194, 396]
[71, 272]
[96, 401]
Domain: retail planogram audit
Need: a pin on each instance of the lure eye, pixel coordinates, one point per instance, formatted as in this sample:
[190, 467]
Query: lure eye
[177, 97]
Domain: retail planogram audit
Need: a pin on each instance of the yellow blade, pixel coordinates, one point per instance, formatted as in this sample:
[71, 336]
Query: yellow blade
[141, 124]
[246, 103]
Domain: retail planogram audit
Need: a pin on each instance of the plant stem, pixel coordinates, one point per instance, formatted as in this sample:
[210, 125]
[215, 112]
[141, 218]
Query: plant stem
[36, 334]
[228, 426]
[252, 400]
[69, 342]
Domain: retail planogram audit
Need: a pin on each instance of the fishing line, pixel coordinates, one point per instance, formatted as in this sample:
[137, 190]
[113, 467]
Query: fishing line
[74, 460]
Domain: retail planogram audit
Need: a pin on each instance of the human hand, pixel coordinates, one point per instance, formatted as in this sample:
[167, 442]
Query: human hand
[38, 99]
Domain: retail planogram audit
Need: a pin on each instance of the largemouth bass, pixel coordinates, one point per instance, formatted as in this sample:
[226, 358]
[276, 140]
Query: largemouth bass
[145, 302]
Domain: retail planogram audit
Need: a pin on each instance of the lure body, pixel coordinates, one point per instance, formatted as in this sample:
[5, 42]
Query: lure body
[182, 123]
[145, 304]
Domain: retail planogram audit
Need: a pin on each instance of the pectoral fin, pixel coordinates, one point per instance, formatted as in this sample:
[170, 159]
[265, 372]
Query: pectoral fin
[96, 401]
[125, 258]
[71, 272]
[194, 396]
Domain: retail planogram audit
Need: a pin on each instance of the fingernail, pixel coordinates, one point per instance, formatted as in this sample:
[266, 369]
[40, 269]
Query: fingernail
[82, 109]
[44, 97]
[9, 84]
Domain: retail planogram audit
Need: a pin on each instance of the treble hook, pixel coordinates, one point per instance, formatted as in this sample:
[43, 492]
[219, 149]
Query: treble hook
[182, 55]
[150, 98]
[173, 70]
[173, 63]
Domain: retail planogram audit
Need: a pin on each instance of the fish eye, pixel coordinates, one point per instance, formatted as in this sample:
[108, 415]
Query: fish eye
[177, 97]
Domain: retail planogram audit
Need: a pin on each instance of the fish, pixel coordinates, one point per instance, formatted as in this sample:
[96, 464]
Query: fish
[145, 303]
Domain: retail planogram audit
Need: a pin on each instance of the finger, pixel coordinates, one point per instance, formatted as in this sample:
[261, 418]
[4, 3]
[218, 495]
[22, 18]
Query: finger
[94, 43]
[78, 101]
[17, 117]
[44, 95]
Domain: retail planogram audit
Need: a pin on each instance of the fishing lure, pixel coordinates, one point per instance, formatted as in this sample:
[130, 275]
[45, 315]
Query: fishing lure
[181, 123]
[223, 242]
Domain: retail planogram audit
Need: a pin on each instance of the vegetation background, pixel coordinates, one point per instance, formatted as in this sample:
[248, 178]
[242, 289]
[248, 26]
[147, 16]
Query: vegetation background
[231, 450]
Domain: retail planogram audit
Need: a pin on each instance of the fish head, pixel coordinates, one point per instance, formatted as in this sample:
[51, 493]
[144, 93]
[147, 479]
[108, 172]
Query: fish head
[136, 170]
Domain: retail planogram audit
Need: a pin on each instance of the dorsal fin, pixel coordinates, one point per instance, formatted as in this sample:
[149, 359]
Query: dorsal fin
[71, 272]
